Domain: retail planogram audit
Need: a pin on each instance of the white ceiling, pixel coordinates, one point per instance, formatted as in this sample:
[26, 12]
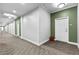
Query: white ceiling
[51, 8]
[25, 8]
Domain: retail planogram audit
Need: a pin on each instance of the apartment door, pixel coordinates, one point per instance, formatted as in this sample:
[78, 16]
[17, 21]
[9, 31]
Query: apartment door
[61, 29]
[17, 27]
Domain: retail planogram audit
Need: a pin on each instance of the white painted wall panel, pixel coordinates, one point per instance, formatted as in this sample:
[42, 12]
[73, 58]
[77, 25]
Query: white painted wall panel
[6, 28]
[10, 28]
[44, 26]
[13, 28]
[36, 26]
[78, 25]
[1, 29]
[30, 24]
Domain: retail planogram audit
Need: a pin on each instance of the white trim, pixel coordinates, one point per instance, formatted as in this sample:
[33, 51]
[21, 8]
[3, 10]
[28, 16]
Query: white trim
[38, 44]
[60, 40]
[78, 25]
[73, 43]
[66, 17]
[78, 45]
[29, 41]
[43, 42]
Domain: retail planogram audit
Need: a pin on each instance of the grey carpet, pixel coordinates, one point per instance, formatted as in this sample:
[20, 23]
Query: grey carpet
[12, 45]
[64, 47]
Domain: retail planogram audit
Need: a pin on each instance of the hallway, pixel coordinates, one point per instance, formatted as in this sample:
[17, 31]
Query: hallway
[12, 45]
[34, 29]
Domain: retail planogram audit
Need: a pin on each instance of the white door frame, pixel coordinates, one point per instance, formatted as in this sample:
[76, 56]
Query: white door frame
[68, 25]
[17, 29]
[78, 26]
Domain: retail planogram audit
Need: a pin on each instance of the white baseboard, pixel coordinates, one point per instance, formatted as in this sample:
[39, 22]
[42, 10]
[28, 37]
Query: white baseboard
[30, 41]
[61, 40]
[78, 45]
[43, 42]
[40, 43]
[73, 43]
[36, 43]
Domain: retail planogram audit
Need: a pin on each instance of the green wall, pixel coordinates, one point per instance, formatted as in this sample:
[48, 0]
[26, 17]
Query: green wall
[18, 21]
[72, 13]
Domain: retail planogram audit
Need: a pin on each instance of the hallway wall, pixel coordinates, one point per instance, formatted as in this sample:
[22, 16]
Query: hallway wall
[30, 27]
[78, 25]
[6, 28]
[10, 28]
[33, 27]
[44, 25]
[72, 14]
[1, 29]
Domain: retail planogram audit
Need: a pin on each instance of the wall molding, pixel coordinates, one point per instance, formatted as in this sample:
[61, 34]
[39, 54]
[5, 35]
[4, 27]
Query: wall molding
[30, 41]
[78, 46]
[73, 43]
[43, 42]
[38, 43]
[78, 25]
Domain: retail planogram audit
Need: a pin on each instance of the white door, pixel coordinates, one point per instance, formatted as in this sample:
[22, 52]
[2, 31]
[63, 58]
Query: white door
[18, 29]
[61, 29]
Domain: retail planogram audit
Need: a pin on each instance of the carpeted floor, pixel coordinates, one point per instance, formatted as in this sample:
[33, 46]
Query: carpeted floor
[63, 47]
[11, 45]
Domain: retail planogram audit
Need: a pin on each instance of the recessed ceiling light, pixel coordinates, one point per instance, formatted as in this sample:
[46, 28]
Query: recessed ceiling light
[14, 11]
[61, 5]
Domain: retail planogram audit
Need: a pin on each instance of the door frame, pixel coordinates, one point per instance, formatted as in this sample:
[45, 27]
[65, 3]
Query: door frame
[67, 23]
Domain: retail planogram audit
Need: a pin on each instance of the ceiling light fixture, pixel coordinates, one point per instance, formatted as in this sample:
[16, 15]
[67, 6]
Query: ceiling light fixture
[14, 11]
[61, 5]
[9, 15]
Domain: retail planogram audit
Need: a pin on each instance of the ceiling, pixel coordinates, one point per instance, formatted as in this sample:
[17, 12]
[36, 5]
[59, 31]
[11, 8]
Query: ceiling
[24, 8]
[51, 8]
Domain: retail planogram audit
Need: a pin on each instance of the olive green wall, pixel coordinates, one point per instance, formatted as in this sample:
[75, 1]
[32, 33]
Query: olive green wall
[18, 21]
[72, 13]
